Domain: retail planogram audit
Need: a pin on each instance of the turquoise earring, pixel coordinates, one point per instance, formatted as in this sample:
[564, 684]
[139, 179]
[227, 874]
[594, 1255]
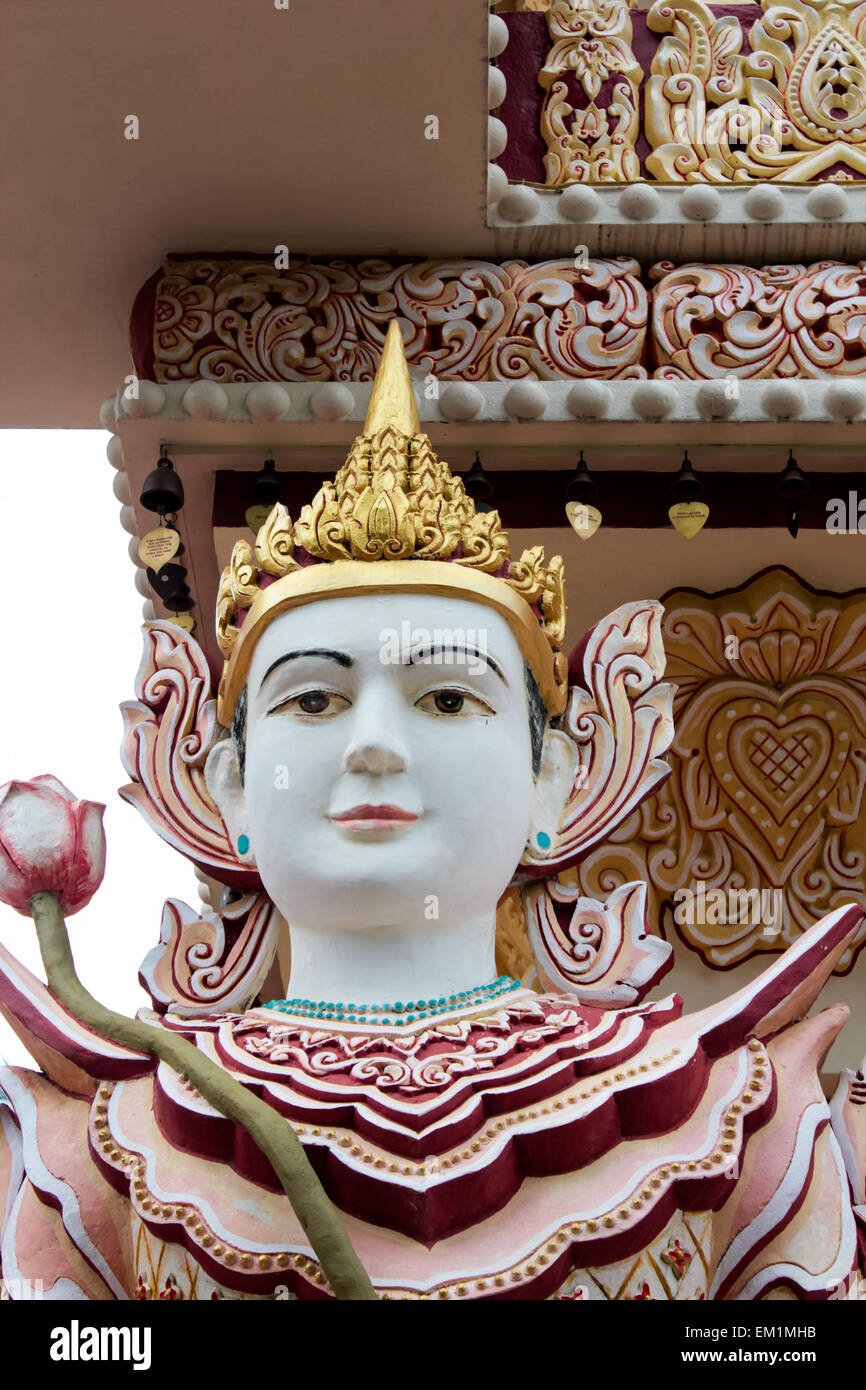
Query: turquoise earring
[542, 839]
[244, 844]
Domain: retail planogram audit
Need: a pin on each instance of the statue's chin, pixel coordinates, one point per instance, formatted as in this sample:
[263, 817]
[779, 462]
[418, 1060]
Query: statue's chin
[373, 908]
[374, 887]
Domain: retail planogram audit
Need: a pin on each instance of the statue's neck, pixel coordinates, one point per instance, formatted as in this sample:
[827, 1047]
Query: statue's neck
[382, 965]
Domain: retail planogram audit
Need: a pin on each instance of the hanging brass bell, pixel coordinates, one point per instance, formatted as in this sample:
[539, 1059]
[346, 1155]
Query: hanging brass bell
[162, 490]
[267, 485]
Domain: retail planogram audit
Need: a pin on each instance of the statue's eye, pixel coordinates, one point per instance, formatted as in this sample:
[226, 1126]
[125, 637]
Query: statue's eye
[448, 701]
[321, 703]
[453, 702]
[314, 702]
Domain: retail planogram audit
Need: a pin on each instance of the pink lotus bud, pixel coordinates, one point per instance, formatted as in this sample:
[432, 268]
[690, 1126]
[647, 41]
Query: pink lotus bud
[49, 842]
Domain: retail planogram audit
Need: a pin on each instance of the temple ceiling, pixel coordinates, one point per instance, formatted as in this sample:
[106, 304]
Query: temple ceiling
[237, 153]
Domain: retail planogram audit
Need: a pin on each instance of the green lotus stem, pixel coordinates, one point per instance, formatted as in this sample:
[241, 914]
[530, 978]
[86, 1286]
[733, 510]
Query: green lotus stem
[273, 1134]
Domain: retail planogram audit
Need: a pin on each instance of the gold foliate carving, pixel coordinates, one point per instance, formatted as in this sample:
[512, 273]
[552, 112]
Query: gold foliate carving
[243, 574]
[393, 500]
[513, 956]
[553, 602]
[593, 142]
[381, 507]
[528, 574]
[226, 608]
[787, 112]
[275, 543]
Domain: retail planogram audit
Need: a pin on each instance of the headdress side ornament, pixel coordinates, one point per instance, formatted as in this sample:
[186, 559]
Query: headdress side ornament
[392, 505]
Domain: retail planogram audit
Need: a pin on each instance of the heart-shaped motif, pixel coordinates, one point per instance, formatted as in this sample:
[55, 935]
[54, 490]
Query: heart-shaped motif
[775, 769]
[256, 516]
[585, 519]
[184, 620]
[158, 547]
[689, 517]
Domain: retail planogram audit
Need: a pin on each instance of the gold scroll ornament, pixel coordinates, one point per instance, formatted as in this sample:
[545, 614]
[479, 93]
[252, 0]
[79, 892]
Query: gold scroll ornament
[790, 111]
[592, 142]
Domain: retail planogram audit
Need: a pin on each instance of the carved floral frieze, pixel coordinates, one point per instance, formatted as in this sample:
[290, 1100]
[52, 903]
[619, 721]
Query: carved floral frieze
[246, 320]
[768, 760]
[239, 321]
[767, 321]
[683, 92]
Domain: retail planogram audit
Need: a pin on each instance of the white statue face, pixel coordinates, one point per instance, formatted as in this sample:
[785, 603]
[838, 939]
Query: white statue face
[375, 781]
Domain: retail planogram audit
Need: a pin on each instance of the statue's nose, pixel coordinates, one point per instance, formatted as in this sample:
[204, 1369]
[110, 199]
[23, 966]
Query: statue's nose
[377, 757]
[375, 746]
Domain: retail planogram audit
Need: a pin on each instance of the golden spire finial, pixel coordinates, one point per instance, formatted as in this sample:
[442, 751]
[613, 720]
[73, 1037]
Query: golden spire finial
[393, 400]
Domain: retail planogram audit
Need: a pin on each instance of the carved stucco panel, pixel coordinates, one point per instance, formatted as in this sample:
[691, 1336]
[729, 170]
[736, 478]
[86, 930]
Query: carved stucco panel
[235, 321]
[684, 92]
[791, 110]
[769, 762]
[591, 80]
[766, 321]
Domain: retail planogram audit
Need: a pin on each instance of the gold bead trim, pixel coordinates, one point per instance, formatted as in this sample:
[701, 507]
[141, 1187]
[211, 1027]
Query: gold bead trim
[530, 1266]
[153, 1211]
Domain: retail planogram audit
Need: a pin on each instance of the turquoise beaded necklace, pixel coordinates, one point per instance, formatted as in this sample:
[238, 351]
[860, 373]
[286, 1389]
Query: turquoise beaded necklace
[394, 1015]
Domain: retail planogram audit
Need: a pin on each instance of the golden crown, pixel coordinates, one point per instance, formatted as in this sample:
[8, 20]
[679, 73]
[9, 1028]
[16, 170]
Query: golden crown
[392, 504]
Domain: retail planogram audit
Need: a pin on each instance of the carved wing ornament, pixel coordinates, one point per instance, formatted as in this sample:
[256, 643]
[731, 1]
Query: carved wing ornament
[601, 952]
[212, 963]
[168, 732]
[202, 964]
[620, 717]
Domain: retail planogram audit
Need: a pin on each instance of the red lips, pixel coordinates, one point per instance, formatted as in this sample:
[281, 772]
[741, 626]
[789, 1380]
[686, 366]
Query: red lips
[367, 813]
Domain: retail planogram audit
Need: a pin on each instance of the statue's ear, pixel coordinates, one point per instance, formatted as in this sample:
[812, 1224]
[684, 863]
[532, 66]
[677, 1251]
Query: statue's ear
[559, 759]
[223, 780]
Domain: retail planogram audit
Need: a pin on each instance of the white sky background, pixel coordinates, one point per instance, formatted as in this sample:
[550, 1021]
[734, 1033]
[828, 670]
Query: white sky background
[71, 647]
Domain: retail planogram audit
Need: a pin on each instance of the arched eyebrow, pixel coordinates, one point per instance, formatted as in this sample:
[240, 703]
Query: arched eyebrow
[341, 658]
[447, 648]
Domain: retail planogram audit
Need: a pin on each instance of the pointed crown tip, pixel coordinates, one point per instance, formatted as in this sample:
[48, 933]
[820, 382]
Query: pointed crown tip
[392, 401]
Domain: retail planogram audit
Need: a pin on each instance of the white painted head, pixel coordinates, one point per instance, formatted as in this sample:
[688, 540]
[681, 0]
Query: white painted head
[385, 782]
